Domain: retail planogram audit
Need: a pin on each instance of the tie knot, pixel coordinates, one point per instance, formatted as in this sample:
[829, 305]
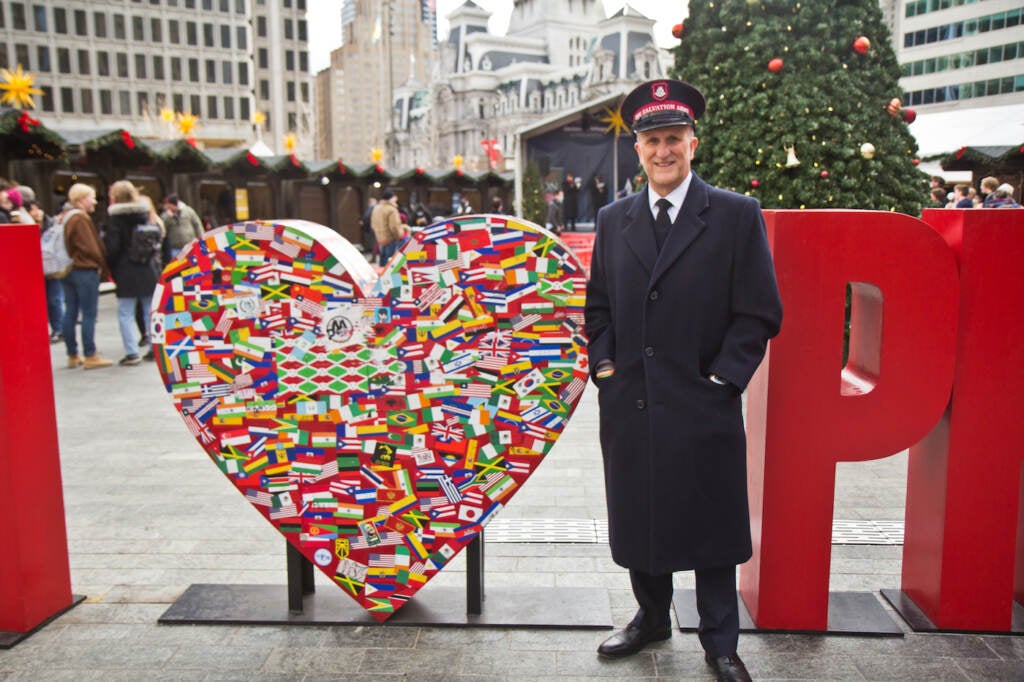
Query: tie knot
[663, 204]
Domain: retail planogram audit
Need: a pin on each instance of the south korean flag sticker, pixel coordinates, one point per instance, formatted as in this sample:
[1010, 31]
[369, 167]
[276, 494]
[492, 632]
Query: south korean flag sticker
[157, 328]
[527, 384]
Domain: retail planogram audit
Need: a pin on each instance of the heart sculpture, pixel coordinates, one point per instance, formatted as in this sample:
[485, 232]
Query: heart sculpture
[380, 422]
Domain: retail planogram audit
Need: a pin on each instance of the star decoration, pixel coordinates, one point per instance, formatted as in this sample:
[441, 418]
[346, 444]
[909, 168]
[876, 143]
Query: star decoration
[289, 142]
[187, 122]
[17, 87]
[613, 117]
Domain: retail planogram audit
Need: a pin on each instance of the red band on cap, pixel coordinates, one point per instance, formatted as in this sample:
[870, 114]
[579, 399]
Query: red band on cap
[655, 107]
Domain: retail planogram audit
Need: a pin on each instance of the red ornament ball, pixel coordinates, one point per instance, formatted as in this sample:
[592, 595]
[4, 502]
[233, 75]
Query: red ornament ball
[909, 115]
[677, 31]
[861, 45]
[775, 65]
[755, 183]
[917, 161]
[824, 173]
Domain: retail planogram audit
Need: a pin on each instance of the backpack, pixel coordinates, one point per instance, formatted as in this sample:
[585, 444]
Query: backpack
[145, 243]
[56, 261]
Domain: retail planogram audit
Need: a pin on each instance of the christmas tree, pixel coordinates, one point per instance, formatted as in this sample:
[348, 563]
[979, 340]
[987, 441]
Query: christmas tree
[535, 208]
[800, 110]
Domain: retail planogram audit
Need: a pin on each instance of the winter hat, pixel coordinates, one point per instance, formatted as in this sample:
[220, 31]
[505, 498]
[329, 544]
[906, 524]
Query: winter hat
[15, 196]
[27, 193]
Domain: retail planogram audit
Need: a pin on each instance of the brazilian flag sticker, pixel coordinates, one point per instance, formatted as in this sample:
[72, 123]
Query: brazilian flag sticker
[555, 406]
[402, 418]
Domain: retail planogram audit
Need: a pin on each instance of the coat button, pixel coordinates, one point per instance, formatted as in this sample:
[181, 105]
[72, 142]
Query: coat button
[649, 351]
[640, 404]
[654, 295]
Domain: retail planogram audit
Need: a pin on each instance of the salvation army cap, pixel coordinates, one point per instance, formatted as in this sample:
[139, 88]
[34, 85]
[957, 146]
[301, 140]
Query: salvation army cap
[662, 103]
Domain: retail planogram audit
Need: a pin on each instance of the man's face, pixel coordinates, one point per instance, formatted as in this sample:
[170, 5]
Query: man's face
[665, 154]
[171, 208]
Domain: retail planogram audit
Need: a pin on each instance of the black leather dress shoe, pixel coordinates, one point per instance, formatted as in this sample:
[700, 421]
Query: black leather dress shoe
[728, 668]
[631, 640]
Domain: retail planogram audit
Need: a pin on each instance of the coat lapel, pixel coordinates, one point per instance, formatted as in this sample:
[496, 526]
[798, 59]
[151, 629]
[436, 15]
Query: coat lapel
[687, 227]
[639, 232]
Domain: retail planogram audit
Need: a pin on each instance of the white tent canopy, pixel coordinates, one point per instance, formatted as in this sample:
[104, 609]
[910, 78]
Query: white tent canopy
[943, 132]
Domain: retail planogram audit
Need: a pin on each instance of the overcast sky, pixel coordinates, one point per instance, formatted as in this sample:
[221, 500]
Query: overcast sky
[324, 20]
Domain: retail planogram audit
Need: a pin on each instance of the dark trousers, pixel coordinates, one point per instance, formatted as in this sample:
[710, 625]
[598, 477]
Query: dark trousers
[717, 604]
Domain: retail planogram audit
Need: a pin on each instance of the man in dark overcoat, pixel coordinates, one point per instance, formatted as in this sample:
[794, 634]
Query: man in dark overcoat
[681, 303]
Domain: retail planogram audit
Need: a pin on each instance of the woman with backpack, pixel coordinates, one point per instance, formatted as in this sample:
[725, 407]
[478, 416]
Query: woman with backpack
[54, 289]
[133, 256]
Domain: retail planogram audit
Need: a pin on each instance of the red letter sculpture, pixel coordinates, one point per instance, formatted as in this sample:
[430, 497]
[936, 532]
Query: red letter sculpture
[964, 483]
[35, 582]
[806, 412]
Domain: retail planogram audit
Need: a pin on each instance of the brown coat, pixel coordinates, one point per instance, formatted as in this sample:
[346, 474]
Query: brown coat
[386, 223]
[84, 245]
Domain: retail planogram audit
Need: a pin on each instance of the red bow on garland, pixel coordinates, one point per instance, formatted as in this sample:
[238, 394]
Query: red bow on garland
[126, 137]
[26, 122]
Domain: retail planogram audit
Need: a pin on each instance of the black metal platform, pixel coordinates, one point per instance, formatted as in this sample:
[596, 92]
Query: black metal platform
[849, 613]
[919, 622]
[8, 638]
[503, 607]
[297, 603]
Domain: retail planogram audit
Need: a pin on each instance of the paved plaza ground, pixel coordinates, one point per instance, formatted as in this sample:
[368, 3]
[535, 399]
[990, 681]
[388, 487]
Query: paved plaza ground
[148, 515]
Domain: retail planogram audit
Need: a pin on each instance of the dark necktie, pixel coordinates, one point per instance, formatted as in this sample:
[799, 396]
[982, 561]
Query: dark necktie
[662, 223]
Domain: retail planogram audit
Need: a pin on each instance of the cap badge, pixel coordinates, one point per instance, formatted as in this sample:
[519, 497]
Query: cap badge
[659, 90]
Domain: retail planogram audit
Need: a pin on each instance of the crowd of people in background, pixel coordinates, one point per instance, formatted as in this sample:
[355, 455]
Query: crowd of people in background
[130, 249]
[111, 251]
[992, 194]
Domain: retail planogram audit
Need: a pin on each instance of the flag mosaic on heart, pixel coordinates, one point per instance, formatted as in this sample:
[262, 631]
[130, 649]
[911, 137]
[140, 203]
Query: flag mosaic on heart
[377, 422]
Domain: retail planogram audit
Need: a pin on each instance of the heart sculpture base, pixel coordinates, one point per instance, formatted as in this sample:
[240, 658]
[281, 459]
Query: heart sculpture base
[540, 607]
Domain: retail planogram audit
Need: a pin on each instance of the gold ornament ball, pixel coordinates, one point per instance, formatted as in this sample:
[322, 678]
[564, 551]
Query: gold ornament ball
[867, 150]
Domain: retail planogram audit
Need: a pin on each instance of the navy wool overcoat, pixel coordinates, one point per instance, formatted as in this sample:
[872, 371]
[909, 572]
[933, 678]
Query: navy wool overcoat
[672, 441]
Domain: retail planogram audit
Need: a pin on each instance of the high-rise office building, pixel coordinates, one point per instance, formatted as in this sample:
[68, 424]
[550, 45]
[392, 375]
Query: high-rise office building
[125, 63]
[963, 72]
[960, 53]
[385, 45]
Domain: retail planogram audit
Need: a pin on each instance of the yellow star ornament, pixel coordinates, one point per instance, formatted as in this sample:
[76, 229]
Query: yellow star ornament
[187, 122]
[613, 117]
[17, 87]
